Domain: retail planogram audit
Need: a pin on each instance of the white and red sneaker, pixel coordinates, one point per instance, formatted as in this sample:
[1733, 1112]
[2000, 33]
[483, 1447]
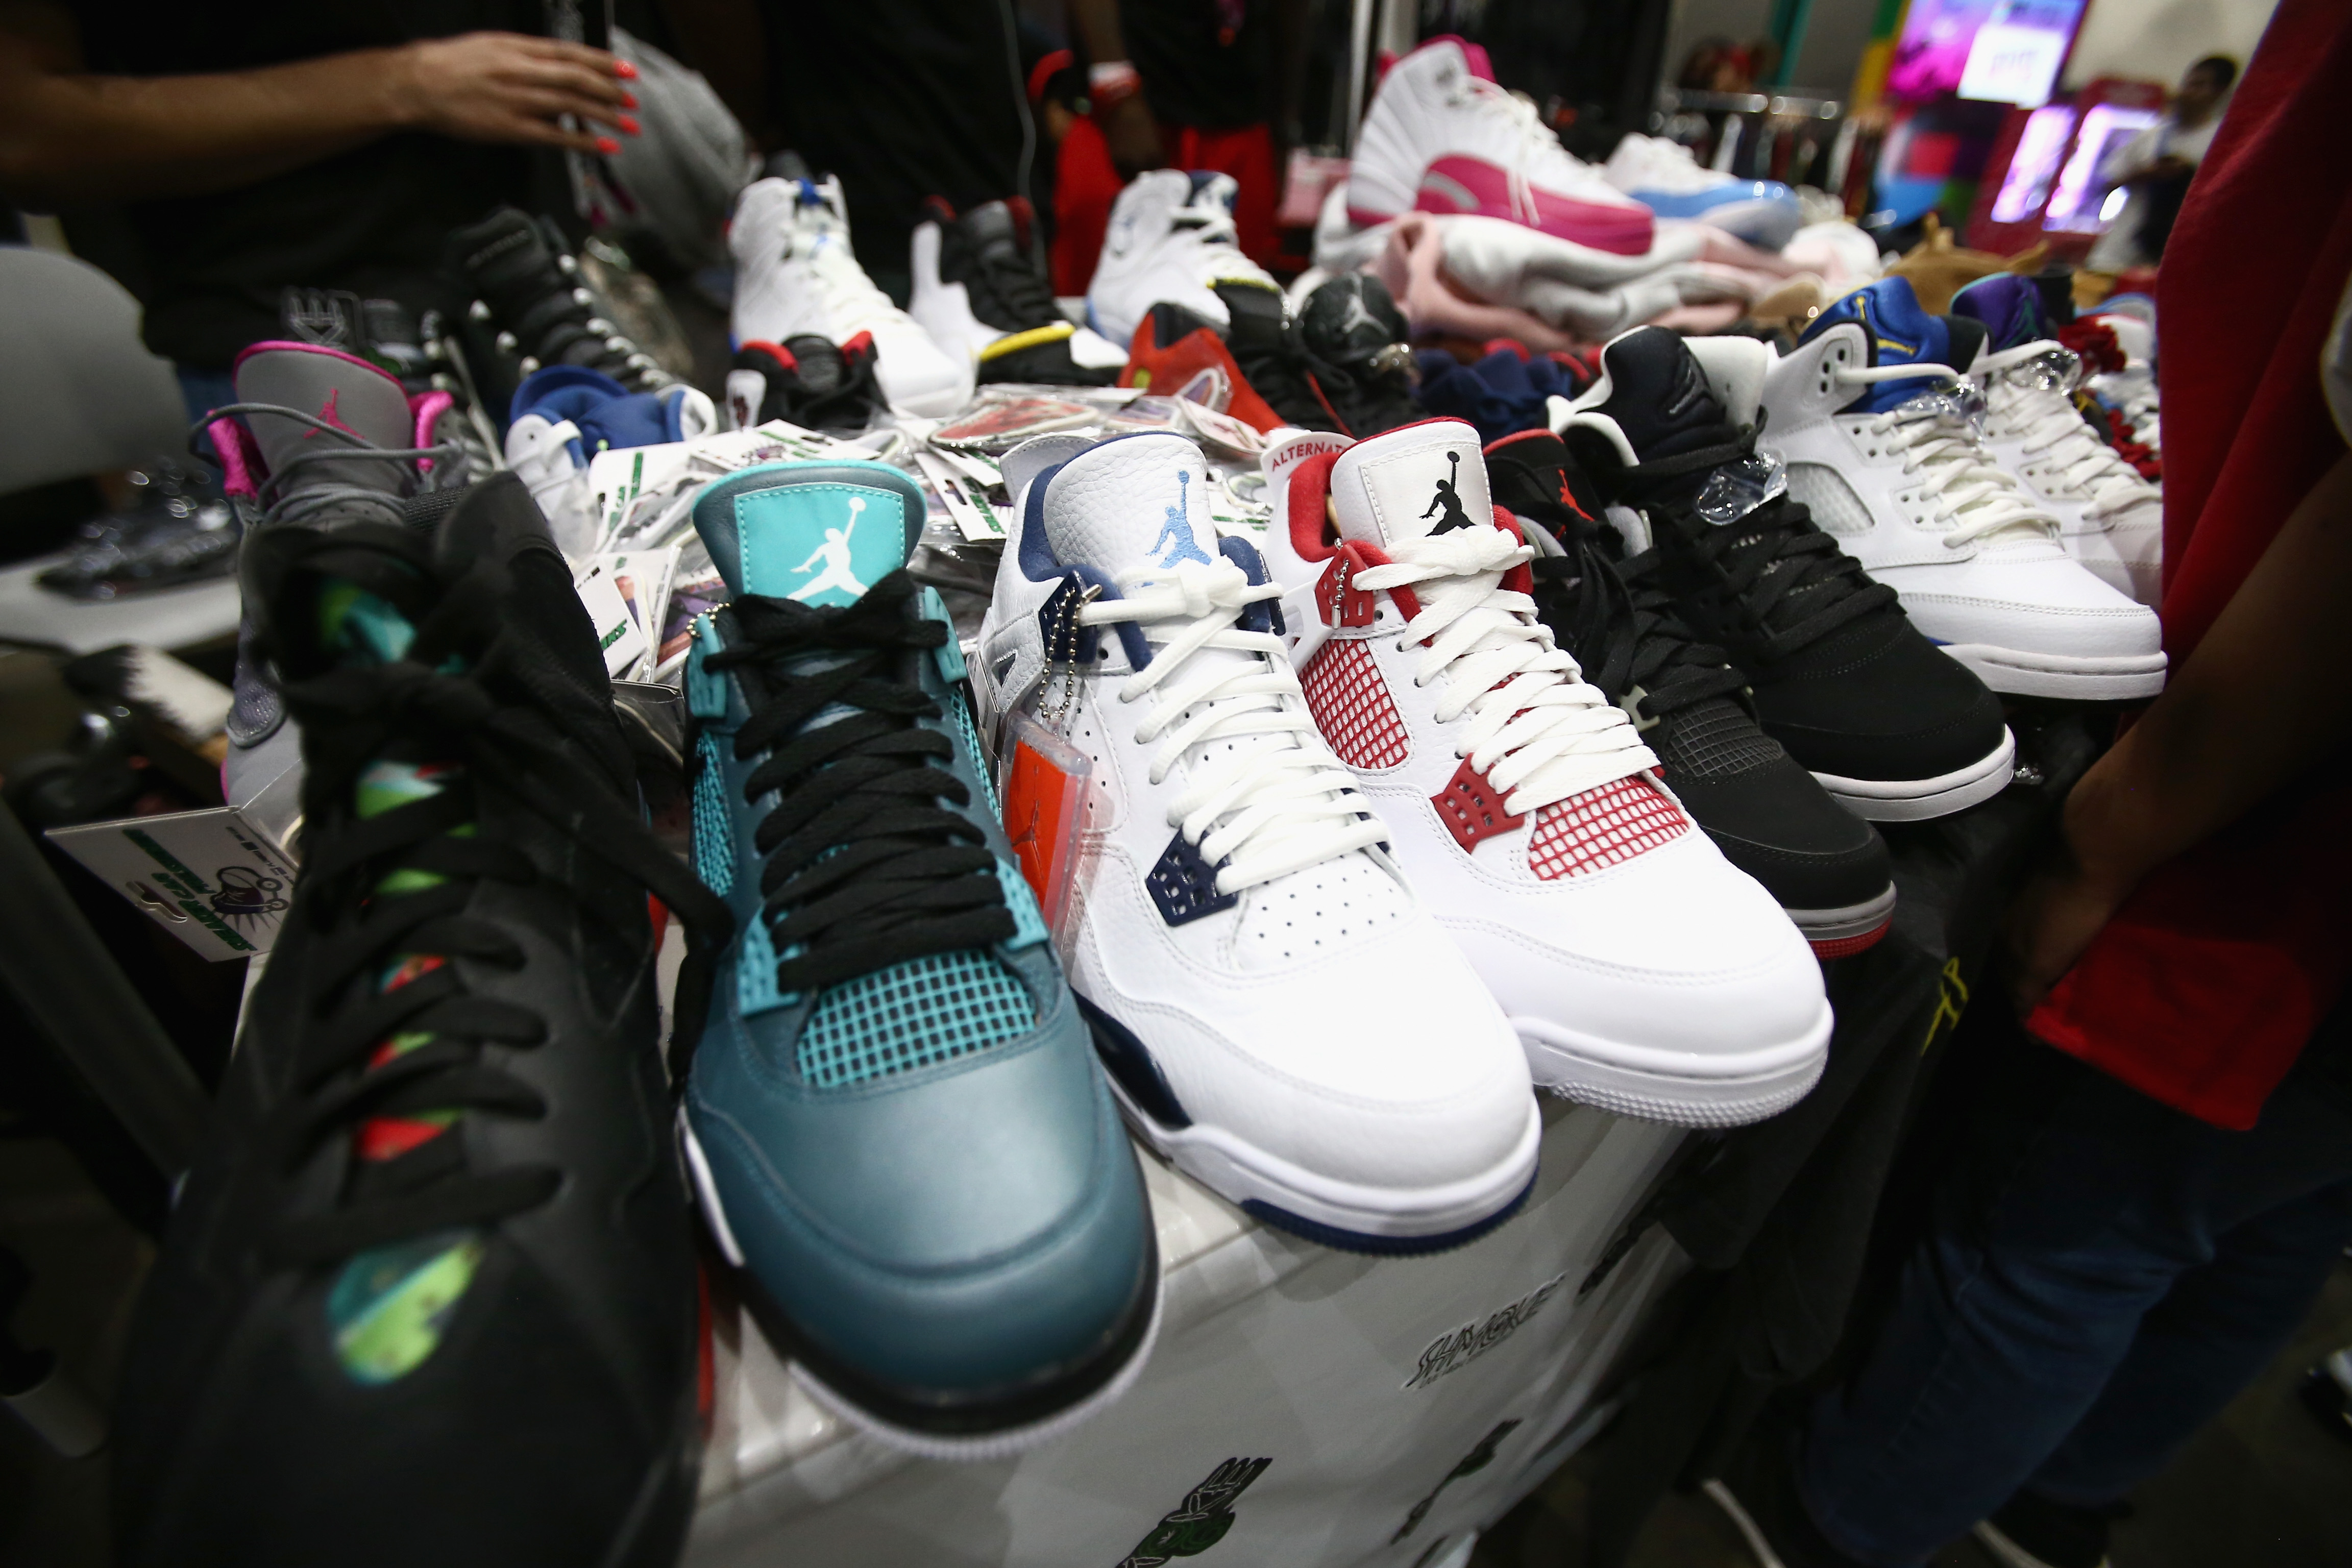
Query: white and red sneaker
[1644, 972]
[1442, 136]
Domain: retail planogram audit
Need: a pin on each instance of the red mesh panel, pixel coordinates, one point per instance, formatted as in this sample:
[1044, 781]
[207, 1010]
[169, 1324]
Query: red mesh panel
[1470, 809]
[1602, 827]
[1350, 700]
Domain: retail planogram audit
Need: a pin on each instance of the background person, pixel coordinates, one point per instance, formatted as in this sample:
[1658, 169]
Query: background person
[2153, 167]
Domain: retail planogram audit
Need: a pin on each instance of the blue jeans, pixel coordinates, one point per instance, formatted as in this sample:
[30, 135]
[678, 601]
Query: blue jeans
[2102, 1274]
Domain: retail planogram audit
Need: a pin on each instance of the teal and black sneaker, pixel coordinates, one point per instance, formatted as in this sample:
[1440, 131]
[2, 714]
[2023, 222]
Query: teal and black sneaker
[893, 1116]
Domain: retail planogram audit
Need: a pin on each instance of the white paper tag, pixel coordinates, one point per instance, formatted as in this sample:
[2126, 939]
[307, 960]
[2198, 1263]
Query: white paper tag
[642, 577]
[973, 516]
[209, 878]
[619, 477]
[617, 632]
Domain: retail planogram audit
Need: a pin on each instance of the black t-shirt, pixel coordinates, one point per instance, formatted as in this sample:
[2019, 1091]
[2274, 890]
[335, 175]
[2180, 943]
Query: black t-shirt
[903, 100]
[210, 269]
[1203, 62]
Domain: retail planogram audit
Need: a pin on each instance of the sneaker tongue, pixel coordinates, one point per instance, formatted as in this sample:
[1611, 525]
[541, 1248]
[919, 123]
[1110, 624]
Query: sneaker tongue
[2009, 307]
[1253, 314]
[1658, 395]
[1138, 501]
[1421, 480]
[991, 226]
[344, 392]
[1898, 331]
[821, 533]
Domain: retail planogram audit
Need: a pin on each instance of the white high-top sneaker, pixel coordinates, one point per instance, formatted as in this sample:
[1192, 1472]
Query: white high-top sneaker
[1170, 238]
[1644, 972]
[2109, 518]
[795, 273]
[1661, 175]
[1443, 136]
[1884, 442]
[1279, 1016]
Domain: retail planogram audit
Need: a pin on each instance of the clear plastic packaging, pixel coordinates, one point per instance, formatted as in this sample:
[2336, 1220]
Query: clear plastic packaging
[1738, 488]
[1044, 784]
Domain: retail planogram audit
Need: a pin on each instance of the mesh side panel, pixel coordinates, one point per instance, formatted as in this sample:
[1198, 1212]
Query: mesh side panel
[1351, 702]
[910, 1016]
[1601, 827]
[714, 826]
[1712, 740]
[1832, 500]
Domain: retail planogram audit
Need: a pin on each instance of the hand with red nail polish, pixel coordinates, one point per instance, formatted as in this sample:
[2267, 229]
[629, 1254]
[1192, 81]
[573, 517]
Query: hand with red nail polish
[513, 88]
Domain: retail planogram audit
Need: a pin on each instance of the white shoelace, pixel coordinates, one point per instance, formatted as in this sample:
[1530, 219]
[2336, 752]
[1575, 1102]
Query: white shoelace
[1961, 478]
[2055, 432]
[1277, 802]
[1538, 729]
[1216, 243]
[852, 302]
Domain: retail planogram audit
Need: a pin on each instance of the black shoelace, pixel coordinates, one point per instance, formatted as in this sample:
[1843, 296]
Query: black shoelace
[1622, 626]
[419, 706]
[846, 402]
[1772, 572]
[862, 866]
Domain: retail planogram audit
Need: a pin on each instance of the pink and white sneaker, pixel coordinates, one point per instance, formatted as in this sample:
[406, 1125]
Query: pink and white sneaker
[1644, 972]
[1443, 136]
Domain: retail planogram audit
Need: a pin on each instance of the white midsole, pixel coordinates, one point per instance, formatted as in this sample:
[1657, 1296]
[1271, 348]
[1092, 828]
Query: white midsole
[1829, 925]
[1682, 1088]
[1916, 800]
[2112, 678]
[1238, 1171]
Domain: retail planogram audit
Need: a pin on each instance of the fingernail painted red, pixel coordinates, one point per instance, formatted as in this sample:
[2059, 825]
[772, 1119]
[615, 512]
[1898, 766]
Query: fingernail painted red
[607, 146]
[624, 70]
[628, 100]
[629, 125]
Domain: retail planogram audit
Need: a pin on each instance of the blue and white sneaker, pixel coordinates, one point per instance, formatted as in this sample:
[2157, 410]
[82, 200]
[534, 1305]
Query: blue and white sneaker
[1283, 1018]
[1664, 177]
[893, 1120]
[563, 416]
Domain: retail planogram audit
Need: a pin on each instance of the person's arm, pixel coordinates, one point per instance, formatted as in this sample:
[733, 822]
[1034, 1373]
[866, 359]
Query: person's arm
[2261, 700]
[67, 136]
[1128, 127]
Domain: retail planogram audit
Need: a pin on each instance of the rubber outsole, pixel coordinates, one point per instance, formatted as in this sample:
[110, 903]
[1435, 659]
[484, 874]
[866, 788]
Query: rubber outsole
[1733, 1091]
[970, 1431]
[1918, 800]
[1836, 933]
[2120, 677]
[1256, 1183]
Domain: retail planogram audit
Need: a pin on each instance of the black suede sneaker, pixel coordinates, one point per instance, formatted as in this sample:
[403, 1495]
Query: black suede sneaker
[980, 287]
[1894, 730]
[429, 1292]
[528, 306]
[1827, 866]
[808, 380]
[1352, 339]
[2029, 1531]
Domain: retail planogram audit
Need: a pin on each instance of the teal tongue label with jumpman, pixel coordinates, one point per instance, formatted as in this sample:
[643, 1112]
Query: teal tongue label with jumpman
[819, 534]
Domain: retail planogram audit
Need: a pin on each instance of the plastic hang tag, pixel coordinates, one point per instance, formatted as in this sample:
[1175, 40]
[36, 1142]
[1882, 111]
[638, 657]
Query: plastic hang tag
[2054, 369]
[1740, 487]
[1044, 786]
[1958, 402]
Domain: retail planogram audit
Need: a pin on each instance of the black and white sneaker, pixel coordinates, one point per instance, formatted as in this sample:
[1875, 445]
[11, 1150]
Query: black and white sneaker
[1352, 339]
[1770, 818]
[529, 306]
[1894, 730]
[429, 1293]
[979, 291]
[808, 380]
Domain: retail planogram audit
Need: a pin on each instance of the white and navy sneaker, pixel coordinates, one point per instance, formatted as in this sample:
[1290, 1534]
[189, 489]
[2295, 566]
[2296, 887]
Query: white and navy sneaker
[1884, 442]
[2109, 518]
[1644, 972]
[1170, 241]
[795, 273]
[1281, 1017]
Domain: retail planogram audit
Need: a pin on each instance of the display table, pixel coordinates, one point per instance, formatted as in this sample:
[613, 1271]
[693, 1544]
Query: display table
[1302, 1406]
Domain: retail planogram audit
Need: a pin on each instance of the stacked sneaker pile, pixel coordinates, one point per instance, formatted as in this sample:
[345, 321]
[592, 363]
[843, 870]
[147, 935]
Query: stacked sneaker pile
[980, 290]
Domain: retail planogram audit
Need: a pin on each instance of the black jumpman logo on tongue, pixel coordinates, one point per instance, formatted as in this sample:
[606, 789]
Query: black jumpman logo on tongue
[1448, 497]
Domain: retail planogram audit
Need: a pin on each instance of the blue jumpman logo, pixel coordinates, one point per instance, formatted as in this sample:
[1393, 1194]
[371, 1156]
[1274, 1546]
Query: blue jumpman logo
[1178, 528]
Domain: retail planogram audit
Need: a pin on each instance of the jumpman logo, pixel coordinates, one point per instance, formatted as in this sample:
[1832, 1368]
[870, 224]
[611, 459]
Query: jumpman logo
[1176, 533]
[1449, 498]
[1029, 834]
[1359, 316]
[327, 415]
[834, 552]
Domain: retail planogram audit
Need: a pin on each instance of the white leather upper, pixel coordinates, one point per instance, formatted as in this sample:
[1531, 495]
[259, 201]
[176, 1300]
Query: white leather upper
[1165, 243]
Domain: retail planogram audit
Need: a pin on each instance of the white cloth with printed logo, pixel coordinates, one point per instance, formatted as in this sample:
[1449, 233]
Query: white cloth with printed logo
[1303, 1406]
